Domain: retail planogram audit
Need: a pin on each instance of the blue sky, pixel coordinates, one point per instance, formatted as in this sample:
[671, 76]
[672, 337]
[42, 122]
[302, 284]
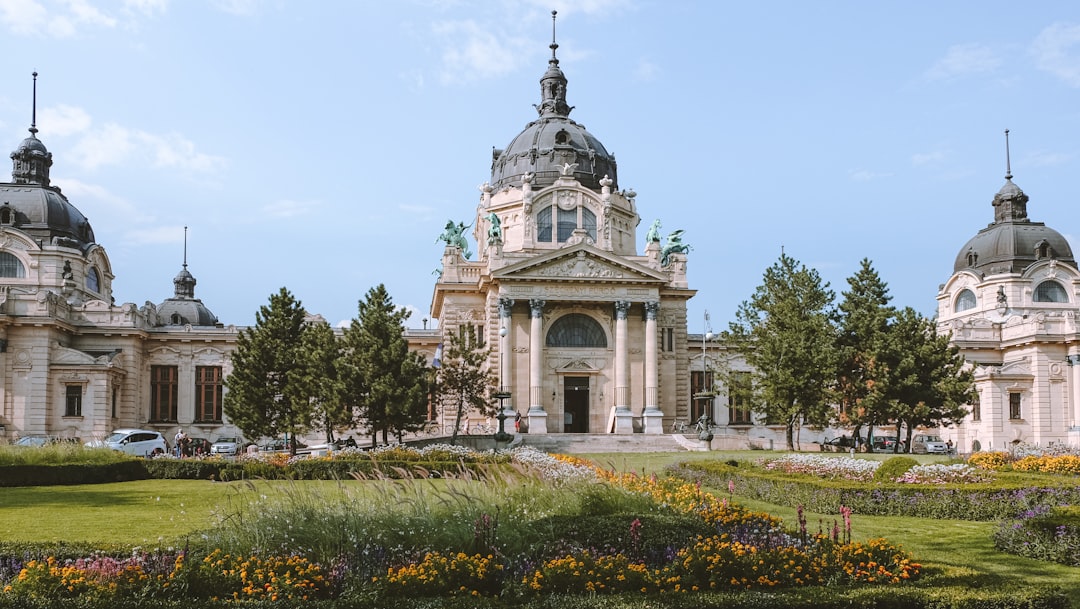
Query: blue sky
[322, 145]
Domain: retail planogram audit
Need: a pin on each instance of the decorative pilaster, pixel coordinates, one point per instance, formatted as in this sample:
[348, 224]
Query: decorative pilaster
[1074, 386]
[624, 418]
[653, 416]
[506, 353]
[537, 416]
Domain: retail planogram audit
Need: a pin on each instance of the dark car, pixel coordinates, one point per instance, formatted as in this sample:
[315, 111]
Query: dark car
[886, 445]
[841, 442]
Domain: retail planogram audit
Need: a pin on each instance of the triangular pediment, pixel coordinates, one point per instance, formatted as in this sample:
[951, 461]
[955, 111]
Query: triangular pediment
[581, 262]
[66, 356]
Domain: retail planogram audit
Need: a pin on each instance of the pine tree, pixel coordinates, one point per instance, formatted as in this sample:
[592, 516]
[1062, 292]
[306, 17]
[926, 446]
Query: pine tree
[786, 334]
[262, 398]
[382, 379]
[463, 381]
[928, 383]
[864, 322]
[317, 379]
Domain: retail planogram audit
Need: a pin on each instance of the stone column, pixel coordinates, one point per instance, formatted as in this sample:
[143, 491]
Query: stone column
[506, 355]
[624, 418]
[653, 416]
[1074, 387]
[537, 416]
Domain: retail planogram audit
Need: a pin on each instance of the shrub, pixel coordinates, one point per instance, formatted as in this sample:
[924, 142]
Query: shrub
[1043, 534]
[994, 461]
[893, 468]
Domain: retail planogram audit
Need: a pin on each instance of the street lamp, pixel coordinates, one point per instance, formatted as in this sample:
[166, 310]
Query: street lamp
[502, 394]
[706, 395]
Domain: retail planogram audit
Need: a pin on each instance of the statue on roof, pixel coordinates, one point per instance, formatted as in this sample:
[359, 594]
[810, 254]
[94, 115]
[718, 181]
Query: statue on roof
[495, 234]
[653, 236]
[454, 235]
[674, 245]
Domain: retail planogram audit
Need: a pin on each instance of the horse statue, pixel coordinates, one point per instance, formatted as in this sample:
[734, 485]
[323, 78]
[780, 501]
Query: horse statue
[653, 236]
[495, 234]
[674, 245]
[454, 236]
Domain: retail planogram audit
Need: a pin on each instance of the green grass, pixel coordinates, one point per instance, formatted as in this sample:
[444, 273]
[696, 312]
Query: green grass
[159, 513]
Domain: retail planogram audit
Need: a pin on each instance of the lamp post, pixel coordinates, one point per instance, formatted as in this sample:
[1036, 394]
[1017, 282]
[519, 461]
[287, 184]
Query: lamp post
[502, 394]
[705, 422]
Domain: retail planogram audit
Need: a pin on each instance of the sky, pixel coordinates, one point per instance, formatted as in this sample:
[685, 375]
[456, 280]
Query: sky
[321, 146]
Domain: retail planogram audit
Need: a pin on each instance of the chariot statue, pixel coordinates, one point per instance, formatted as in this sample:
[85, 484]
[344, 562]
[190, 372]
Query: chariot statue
[674, 245]
[454, 236]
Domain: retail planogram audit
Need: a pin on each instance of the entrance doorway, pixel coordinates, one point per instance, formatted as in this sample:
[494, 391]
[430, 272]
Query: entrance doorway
[576, 404]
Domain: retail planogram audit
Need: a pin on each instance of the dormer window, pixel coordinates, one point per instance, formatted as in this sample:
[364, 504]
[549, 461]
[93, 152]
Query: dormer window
[1042, 249]
[562, 138]
[966, 300]
[1050, 291]
[7, 215]
[566, 221]
[11, 267]
[972, 258]
[93, 280]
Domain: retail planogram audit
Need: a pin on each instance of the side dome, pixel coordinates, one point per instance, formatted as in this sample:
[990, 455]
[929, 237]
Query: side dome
[183, 308]
[551, 143]
[1012, 242]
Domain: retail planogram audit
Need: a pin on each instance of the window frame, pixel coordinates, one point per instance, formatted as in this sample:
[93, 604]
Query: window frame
[1045, 292]
[965, 301]
[73, 400]
[164, 393]
[1016, 412]
[6, 261]
[740, 407]
[209, 391]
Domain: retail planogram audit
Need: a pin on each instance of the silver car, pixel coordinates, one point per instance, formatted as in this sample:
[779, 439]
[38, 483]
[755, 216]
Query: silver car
[227, 446]
[929, 444]
[139, 442]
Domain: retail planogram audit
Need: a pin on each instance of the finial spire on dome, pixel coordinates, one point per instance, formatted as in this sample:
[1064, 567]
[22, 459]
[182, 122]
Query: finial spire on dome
[185, 247]
[554, 45]
[33, 108]
[1008, 163]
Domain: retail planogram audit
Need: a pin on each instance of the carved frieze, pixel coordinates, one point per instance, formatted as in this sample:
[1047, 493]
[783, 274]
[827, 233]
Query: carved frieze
[580, 267]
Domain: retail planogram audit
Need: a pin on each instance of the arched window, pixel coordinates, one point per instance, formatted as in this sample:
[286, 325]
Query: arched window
[576, 330]
[564, 223]
[965, 301]
[1050, 291]
[93, 280]
[10, 266]
[543, 225]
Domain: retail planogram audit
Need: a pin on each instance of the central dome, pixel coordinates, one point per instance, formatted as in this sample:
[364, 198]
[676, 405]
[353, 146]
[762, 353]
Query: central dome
[547, 145]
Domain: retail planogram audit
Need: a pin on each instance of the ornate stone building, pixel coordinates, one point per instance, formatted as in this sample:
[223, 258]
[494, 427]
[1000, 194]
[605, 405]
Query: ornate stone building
[73, 363]
[1011, 306]
[587, 335]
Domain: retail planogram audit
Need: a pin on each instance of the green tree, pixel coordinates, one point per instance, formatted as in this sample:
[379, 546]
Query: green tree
[865, 317]
[927, 381]
[263, 398]
[462, 381]
[786, 334]
[318, 381]
[381, 377]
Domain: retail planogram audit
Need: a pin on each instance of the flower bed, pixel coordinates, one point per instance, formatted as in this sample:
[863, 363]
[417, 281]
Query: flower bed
[1043, 534]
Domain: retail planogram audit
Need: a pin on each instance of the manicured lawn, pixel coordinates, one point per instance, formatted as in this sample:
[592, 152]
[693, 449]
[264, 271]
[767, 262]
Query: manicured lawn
[157, 513]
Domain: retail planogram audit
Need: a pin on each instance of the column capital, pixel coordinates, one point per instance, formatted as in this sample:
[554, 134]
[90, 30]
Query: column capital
[652, 308]
[622, 307]
[536, 307]
[505, 305]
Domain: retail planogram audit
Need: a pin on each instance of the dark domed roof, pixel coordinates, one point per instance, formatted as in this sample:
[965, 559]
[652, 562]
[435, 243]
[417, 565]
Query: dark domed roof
[1012, 242]
[550, 143]
[183, 308]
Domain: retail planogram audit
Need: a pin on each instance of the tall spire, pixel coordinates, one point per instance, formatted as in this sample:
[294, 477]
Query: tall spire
[184, 282]
[553, 83]
[185, 247]
[31, 160]
[1008, 163]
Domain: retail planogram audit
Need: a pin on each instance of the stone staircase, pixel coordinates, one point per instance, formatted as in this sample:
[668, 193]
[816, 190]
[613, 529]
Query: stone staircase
[608, 443]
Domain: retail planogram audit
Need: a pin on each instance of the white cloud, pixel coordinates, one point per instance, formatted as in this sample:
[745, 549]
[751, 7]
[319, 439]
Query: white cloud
[286, 208]
[62, 120]
[114, 144]
[147, 7]
[928, 158]
[865, 175]
[23, 17]
[964, 59]
[83, 12]
[646, 71]
[240, 8]
[1052, 52]
[56, 18]
[477, 52]
[156, 235]
[1045, 158]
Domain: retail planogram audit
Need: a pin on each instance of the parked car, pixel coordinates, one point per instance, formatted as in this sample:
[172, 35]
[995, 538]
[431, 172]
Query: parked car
[35, 441]
[841, 442]
[140, 442]
[229, 445]
[887, 445]
[929, 444]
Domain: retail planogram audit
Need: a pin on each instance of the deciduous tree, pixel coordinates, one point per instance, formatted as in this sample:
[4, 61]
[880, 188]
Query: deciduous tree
[463, 382]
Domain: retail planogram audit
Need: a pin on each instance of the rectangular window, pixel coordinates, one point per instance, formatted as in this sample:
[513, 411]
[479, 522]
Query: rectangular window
[739, 411]
[701, 399]
[1014, 406]
[163, 393]
[208, 390]
[73, 403]
[976, 410]
[543, 225]
[667, 339]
